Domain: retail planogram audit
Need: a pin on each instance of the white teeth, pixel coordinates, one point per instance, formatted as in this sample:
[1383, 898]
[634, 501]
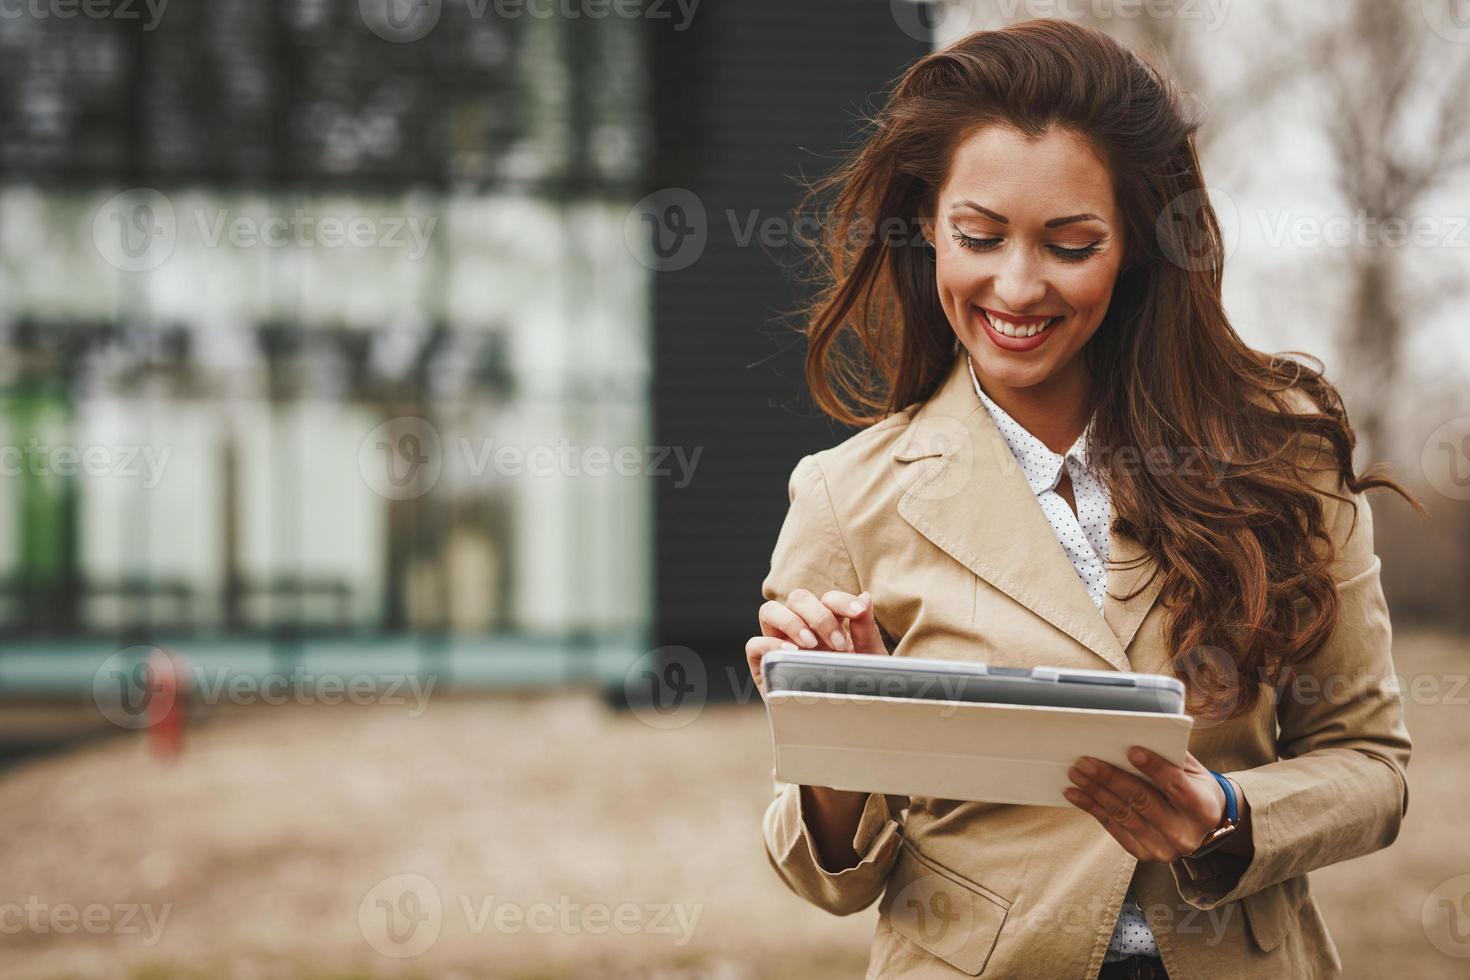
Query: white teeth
[1013, 330]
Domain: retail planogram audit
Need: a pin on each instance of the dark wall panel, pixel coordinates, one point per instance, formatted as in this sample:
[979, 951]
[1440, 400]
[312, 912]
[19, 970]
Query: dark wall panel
[752, 95]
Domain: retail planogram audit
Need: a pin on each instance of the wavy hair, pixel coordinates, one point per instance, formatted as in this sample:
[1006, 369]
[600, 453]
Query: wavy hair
[1242, 572]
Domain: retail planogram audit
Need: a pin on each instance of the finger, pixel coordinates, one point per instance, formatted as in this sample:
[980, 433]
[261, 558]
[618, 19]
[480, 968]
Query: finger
[861, 624]
[827, 626]
[1139, 809]
[1090, 805]
[778, 620]
[756, 649]
[1174, 782]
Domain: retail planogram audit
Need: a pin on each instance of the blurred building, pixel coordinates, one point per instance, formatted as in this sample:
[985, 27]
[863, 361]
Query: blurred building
[318, 319]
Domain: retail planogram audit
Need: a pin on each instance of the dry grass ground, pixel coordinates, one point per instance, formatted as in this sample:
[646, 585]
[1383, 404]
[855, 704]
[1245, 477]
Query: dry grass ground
[265, 838]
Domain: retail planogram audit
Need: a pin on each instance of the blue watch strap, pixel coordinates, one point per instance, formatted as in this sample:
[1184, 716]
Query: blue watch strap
[1231, 813]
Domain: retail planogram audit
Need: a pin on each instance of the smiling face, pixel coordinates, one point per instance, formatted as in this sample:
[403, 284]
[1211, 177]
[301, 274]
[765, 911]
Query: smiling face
[1028, 231]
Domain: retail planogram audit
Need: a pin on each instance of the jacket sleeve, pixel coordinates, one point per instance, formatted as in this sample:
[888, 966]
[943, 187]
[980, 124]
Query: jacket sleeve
[1338, 789]
[810, 554]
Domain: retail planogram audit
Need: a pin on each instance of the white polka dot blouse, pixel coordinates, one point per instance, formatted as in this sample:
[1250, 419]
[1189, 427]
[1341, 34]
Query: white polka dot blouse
[1084, 538]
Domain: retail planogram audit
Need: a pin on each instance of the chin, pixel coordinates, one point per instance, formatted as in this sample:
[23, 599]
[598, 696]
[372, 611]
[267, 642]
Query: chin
[1009, 371]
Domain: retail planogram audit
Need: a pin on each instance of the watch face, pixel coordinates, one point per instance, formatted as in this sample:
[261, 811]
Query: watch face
[1215, 838]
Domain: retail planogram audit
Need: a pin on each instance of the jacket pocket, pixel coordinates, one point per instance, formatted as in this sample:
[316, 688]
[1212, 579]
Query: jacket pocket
[943, 912]
[1272, 911]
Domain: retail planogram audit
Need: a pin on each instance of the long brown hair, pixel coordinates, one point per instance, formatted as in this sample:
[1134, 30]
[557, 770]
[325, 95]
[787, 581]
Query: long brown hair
[1237, 550]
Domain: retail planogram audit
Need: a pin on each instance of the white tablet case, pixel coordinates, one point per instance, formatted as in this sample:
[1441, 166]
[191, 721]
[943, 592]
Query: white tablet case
[956, 750]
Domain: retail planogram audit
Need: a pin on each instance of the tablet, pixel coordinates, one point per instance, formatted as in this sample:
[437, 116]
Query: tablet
[816, 671]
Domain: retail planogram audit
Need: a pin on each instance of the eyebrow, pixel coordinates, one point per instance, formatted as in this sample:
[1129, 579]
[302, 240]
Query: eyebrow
[1053, 223]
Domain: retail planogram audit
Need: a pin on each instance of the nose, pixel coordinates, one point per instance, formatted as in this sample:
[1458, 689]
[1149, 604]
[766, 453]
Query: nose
[1019, 282]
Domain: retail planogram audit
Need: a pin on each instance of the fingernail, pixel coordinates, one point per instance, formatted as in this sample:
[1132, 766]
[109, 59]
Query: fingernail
[808, 638]
[1138, 756]
[788, 646]
[1087, 766]
[857, 607]
[837, 640]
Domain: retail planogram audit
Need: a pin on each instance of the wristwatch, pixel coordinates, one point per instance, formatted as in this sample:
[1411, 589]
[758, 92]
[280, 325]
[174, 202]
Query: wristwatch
[1228, 823]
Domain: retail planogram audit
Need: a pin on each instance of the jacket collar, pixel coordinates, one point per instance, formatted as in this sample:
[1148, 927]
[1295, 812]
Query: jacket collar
[975, 504]
[1048, 465]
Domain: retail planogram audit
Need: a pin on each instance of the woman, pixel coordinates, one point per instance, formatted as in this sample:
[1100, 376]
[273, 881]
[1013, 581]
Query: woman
[1072, 459]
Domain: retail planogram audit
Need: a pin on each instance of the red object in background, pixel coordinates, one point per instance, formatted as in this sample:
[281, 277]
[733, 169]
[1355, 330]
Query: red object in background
[166, 704]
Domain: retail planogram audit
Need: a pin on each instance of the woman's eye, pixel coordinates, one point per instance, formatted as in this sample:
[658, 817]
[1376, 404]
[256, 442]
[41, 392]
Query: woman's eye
[977, 244]
[1074, 254]
[1060, 251]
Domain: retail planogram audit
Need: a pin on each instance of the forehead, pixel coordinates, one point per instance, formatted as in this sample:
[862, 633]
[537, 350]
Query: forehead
[1001, 168]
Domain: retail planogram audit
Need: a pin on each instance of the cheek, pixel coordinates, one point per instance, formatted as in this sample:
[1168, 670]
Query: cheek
[958, 281]
[1088, 292]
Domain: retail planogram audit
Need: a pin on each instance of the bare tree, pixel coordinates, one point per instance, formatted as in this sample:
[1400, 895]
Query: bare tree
[1399, 128]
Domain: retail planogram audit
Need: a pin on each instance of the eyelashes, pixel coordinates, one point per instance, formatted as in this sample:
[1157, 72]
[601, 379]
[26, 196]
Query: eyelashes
[1060, 251]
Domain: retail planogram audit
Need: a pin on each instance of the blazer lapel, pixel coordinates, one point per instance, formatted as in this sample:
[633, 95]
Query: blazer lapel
[973, 502]
[1123, 618]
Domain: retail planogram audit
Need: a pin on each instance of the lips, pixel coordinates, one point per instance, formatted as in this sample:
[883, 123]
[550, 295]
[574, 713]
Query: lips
[1016, 338]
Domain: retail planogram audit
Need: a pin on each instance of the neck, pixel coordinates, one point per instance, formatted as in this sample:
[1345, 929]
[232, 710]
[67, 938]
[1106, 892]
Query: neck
[1054, 411]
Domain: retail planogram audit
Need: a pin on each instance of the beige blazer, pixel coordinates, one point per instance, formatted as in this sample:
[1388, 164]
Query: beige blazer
[929, 512]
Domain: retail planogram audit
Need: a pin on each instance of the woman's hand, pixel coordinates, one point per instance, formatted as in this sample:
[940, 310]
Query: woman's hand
[1160, 822]
[838, 621]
